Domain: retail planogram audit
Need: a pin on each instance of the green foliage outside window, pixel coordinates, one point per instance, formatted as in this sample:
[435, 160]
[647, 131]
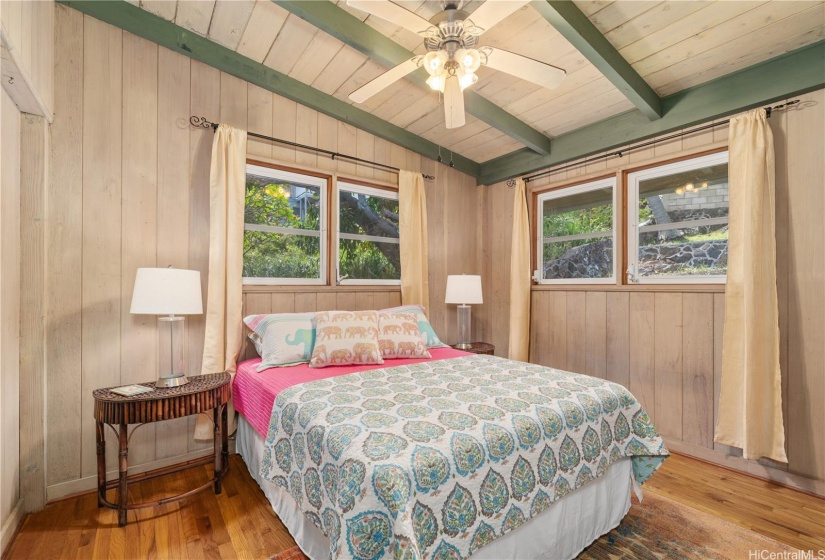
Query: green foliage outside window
[574, 222]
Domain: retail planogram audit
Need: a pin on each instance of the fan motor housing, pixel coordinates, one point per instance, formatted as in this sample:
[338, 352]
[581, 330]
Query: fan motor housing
[449, 32]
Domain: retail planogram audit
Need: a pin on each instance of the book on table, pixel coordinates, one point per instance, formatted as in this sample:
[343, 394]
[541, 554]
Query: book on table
[131, 390]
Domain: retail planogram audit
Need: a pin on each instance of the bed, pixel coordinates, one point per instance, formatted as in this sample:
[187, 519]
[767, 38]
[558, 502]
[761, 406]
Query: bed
[457, 456]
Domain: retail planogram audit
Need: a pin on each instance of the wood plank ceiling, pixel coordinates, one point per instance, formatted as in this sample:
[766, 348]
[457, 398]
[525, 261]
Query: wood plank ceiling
[672, 44]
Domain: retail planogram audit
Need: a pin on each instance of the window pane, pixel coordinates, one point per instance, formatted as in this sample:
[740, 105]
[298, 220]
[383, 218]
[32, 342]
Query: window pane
[577, 235]
[695, 202]
[365, 260]
[585, 258]
[580, 213]
[279, 203]
[373, 217]
[684, 252]
[271, 203]
[368, 215]
[278, 255]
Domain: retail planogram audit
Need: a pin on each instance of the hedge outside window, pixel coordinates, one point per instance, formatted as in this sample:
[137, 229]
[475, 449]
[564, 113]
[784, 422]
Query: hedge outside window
[285, 223]
[368, 241]
[576, 238]
[678, 222]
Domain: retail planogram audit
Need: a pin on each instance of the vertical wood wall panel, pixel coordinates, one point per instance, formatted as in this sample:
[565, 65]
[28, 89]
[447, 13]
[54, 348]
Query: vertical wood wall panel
[618, 317]
[697, 369]
[64, 246]
[102, 200]
[129, 187]
[138, 355]
[642, 356]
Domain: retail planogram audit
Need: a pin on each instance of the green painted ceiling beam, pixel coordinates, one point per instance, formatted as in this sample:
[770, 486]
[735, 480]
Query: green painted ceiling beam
[791, 74]
[124, 15]
[582, 34]
[328, 17]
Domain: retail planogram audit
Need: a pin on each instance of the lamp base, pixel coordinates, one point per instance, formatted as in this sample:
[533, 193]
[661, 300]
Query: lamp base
[464, 346]
[174, 381]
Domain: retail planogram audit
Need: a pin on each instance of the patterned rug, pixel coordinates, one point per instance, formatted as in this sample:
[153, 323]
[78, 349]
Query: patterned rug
[660, 529]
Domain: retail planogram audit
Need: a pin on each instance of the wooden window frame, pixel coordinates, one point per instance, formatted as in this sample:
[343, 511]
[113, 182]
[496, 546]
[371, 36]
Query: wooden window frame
[325, 185]
[335, 254]
[631, 238]
[539, 196]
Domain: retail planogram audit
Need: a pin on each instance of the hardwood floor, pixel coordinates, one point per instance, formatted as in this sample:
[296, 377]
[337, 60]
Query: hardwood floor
[239, 523]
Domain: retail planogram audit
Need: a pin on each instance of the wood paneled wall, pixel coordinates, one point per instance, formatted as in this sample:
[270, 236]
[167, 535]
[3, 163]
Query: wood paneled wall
[9, 317]
[664, 342]
[130, 187]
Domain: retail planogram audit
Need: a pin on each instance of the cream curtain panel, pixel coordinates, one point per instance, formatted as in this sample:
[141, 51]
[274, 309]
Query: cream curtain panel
[412, 230]
[520, 275]
[750, 402]
[224, 321]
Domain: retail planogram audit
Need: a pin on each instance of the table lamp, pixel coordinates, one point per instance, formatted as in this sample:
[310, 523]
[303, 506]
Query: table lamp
[168, 292]
[464, 289]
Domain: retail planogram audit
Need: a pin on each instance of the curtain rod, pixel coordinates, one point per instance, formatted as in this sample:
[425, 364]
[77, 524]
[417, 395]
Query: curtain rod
[630, 148]
[201, 122]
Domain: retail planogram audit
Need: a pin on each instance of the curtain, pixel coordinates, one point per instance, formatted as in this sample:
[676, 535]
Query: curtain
[750, 401]
[412, 230]
[520, 277]
[224, 326]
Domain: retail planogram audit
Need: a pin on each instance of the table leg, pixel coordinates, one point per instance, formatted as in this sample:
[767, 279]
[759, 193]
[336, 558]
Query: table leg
[123, 466]
[100, 436]
[216, 442]
[224, 439]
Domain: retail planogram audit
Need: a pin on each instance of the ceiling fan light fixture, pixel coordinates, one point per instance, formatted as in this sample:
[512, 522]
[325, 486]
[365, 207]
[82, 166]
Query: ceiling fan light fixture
[466, 79]
[469, 60]
[434, 62]
[436, 82]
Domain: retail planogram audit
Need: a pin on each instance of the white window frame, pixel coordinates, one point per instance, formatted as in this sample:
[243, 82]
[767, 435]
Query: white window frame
[564, 192]
[300, 179]
[633, 180]
[345, 186]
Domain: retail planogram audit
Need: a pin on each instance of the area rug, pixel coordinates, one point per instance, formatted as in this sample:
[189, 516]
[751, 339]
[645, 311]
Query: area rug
[662, 529]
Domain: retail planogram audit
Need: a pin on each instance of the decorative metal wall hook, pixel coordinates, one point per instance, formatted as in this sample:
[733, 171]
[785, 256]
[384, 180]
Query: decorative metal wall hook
[201, 122]
[511, 183]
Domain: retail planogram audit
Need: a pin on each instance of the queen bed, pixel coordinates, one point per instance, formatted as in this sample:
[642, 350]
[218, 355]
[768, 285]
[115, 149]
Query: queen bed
[455, 456]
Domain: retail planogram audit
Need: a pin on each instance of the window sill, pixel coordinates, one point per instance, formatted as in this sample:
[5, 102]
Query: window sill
[251, 288]
[681, 288]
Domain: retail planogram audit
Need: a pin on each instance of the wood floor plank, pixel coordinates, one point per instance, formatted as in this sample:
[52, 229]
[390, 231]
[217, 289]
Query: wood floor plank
[239, 523]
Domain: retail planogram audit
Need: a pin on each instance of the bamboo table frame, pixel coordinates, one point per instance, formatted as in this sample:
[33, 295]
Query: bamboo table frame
[202, 393]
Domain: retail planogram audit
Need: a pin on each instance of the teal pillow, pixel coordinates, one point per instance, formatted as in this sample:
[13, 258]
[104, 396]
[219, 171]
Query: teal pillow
[282, 339]
[427, 332]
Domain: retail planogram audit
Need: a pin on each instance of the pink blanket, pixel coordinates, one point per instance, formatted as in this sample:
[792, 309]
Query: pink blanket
[254, 391]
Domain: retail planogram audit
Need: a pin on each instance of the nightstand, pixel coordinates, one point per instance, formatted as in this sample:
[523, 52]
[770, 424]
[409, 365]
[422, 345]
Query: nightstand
[479, 348]
[201, 394]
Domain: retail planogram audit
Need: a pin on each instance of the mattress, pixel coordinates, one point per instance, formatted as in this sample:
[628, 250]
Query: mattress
[560, 532]
[253, 392]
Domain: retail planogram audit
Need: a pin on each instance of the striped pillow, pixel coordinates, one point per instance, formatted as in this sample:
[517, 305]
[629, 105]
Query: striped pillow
[282, 339]
[427, 333]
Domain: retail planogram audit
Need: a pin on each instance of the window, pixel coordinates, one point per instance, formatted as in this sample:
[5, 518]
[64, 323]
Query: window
[368, 245]
[678, 222]
[576, 237]
[285, 227]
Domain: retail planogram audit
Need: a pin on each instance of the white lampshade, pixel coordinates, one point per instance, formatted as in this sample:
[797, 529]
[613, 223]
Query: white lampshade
[464, 288]
[167, 291]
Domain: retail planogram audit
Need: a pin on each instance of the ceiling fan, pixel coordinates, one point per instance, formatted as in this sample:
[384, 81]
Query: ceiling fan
[451, 38]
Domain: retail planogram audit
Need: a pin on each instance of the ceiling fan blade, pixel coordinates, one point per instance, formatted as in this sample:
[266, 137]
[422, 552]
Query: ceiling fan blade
[384, 80]
[392, 13]
[525, 68]
[453, 103]
[493, 11]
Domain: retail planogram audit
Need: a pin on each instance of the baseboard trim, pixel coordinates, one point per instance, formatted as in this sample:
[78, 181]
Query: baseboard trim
[11, 526]
[87, 484]
[750, 468]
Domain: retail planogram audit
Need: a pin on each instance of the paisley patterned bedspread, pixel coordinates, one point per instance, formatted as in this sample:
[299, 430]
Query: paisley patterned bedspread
[437, 459]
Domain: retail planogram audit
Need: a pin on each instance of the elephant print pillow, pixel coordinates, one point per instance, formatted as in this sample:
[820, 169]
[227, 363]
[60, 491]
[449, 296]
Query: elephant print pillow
[282, 339]
[346, 337]
[400, 337]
